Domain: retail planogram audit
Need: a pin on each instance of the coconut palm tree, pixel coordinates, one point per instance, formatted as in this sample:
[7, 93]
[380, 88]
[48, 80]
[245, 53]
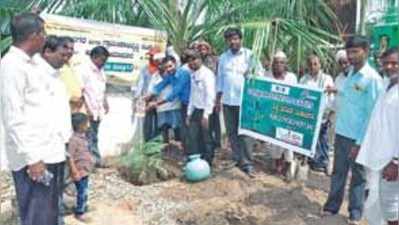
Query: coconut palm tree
[297, 27]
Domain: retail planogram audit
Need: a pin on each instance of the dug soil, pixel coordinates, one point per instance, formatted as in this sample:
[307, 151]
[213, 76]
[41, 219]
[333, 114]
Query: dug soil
[229, 197]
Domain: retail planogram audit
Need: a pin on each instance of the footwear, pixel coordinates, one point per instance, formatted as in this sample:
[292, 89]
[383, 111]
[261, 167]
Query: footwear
[249, 171]
[325, 213]
[83, 218]
[318, 169]
[353, 222]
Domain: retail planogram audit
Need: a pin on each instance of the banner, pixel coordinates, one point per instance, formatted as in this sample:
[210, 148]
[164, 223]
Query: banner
[285, 115]
[126, 44]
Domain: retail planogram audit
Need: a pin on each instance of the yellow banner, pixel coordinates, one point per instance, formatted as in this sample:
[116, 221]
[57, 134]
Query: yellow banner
[126, 44]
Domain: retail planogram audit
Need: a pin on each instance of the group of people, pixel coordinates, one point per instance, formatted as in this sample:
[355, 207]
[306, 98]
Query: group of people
[45, 96]
[363, 137]
[50, 112]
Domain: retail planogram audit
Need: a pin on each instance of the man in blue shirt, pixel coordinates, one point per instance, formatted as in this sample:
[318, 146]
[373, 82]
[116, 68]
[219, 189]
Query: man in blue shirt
[234, 66]
[180, 82]
[356, 101]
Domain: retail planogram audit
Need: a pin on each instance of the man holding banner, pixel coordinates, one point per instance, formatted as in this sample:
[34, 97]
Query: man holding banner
[282, 158]
[318, 79]
[360, 92]
[235, 66]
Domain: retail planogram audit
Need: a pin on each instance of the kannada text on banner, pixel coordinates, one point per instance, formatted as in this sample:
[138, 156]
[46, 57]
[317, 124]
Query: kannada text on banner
[282, 114]
[126, 44]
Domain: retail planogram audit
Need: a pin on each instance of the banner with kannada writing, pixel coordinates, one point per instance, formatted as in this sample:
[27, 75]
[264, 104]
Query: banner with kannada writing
[126, 44]
[285, 115]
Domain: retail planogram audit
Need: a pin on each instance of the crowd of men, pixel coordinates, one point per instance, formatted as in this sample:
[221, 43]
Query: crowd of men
[41, 88]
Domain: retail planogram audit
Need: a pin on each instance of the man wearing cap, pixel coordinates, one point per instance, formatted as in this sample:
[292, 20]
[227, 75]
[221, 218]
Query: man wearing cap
[148, 78]
[282, 158]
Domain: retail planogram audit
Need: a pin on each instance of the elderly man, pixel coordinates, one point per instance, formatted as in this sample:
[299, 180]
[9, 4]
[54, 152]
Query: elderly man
[316, 78]
[380, 150]
[34, 137]
[235, 65]
[360, 92]
[282, 158]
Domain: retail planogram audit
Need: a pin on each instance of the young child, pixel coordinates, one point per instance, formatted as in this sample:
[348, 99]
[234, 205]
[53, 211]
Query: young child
[81, 162]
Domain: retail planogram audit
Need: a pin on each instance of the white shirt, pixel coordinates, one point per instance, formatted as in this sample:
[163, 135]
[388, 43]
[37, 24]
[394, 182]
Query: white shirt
[202, 93]
[379, 147]
[322, 81]
[27, 113]
[289, 78]
[94, 85]
[232, 70]
[60, 98]
[381, 142]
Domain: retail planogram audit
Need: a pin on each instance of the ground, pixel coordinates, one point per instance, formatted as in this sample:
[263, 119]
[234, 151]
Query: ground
[229, 197]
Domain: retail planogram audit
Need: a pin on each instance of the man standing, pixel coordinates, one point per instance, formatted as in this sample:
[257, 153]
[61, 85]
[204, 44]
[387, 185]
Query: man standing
[235, 65]
[380, 149]
[360, 92]
[211, 61]
[49, 62]
[35, 148]
[71, 79]
[316, 78]
[149, 76]
[200, 107]
[94, 85]
[283, 159]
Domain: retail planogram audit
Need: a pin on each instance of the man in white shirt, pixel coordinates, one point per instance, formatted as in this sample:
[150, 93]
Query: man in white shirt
[200, 107]
[235, 65]
[94, 87]
[34, 140]
[380, 149]
[316, 78]
[283, 159]
[49, 63]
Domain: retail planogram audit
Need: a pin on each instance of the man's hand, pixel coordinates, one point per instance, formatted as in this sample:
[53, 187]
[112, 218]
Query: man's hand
[390, 172]
[330, 89]
[36, 170]
[205, 123]
[147, 98]
[354, 152]
[151, 105]
[75, 175]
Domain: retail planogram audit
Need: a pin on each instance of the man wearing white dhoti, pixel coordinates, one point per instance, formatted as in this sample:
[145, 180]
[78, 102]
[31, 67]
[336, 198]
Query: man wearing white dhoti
[380, 150]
